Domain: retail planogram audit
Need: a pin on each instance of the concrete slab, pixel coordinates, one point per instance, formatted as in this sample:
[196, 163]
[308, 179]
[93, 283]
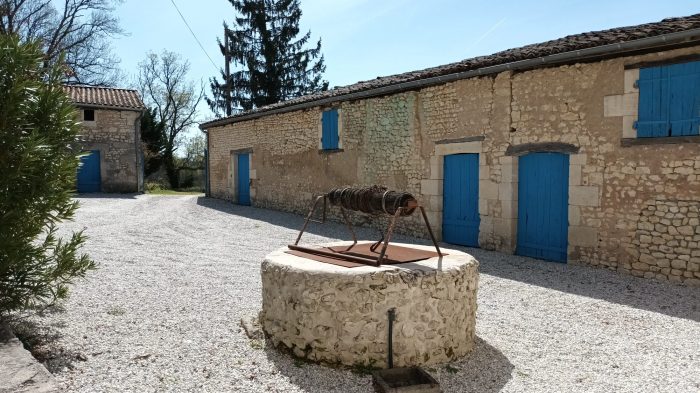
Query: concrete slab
[20, 372]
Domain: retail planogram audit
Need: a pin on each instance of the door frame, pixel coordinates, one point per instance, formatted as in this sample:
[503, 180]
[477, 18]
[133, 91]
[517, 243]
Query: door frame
[233, 174]
[432, 188]
[468, 180]
[565, 209]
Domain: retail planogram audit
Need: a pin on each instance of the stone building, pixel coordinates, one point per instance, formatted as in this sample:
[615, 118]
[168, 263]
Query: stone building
[582, 149]
[111, 134]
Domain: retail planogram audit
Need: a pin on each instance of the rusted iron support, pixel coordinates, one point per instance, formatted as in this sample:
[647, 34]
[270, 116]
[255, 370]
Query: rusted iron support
[332, 254]
[361, 200]
[430, 230]
[311, 213]
[350, 228]
[388, 235]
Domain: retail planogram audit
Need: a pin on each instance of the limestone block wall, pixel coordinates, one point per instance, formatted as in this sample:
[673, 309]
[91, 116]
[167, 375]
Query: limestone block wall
[116, 134]
[400, 141]
[332, 314]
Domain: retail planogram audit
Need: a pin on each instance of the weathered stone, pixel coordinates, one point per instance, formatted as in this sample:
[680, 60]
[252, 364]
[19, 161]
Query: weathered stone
[435, 303]
[20, 372]
[400, 140]
[686, 230]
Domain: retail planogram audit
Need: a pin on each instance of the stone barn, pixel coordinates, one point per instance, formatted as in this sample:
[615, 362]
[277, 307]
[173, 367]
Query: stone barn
[111, 122]
[583, 149]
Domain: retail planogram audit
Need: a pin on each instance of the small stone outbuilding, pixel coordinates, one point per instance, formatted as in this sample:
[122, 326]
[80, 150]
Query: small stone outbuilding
[111, 137]
[584, 149]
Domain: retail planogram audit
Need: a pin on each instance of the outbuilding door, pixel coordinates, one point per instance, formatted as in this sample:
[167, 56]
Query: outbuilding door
[89, 179]
[243, 179]
[543, 197]
[460, 211]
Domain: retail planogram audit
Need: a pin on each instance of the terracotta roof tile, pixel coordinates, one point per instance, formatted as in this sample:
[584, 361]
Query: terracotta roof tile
[561, 45]
[104, 97]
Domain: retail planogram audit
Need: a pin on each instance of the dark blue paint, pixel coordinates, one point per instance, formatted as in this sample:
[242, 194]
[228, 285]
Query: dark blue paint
[329, 126]
[89, 179]
[243, 179]
[669, 100]
[543, 198]
[460, 212]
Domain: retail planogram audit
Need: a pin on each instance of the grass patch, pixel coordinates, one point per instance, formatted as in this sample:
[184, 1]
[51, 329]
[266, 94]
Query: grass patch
[173, 192]
[256, 344]
[363, 368]
[116, 311]
[451, 370]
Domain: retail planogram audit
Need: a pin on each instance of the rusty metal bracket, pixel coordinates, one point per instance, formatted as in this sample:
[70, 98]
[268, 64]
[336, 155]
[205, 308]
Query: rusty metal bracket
[347, 254]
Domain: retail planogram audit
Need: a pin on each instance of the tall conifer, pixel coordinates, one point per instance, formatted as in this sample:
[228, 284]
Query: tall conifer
[271, 63]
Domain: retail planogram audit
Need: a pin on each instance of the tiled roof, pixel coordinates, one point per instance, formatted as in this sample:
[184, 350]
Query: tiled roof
[534, 51]
[104, 97]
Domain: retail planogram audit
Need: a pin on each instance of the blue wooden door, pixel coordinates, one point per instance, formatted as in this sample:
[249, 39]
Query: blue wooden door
[89, 179]
[243, 179]
[543, 214]
[460, 208]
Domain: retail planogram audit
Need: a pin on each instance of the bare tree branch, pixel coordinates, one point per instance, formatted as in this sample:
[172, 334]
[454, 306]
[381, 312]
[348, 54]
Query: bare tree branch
[163, 83]
[79, 28]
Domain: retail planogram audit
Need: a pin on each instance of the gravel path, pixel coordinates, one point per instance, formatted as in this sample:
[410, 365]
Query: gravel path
[178, 273]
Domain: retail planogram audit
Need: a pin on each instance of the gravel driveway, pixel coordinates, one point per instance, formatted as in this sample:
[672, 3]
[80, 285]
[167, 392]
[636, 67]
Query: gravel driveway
[177, 274]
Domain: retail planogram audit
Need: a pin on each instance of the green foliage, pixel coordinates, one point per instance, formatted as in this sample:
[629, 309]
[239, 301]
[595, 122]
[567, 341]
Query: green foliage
[154, 139]
[194, 153]
[364, 368]
[272, 61]
[38, 167]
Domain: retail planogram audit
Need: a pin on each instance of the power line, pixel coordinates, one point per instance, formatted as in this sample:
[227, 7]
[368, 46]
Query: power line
[194, 35]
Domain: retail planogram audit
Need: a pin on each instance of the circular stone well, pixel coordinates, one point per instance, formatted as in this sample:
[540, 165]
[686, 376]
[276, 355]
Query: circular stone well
[335, 314]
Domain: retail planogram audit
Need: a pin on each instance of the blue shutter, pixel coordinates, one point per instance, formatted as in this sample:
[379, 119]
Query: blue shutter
[669, 100]
[653, 119]
[329, 124]
[684, 108]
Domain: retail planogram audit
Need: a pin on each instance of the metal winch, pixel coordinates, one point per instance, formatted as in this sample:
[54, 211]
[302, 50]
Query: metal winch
[374, 201]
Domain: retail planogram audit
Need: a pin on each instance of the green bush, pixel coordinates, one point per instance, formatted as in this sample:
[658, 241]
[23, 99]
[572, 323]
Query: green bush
[155, 186]
[38, 163]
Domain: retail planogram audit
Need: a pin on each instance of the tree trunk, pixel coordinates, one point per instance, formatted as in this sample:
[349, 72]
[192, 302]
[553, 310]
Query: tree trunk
[170, 169]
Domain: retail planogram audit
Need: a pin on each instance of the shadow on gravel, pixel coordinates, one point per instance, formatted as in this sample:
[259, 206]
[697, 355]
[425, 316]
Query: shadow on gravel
[105, 196]
[485, 369]
[42, 342]
[292, 221]
[645, 294]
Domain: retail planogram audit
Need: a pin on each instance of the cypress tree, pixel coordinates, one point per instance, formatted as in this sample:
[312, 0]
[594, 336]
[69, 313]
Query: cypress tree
[271, 63]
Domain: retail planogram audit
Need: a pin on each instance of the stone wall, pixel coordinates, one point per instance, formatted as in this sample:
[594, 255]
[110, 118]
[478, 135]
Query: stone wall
[332, 314]
[400, 141]
[114, 134]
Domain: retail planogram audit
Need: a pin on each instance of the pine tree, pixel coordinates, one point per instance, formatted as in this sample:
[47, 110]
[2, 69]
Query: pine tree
[271, 64]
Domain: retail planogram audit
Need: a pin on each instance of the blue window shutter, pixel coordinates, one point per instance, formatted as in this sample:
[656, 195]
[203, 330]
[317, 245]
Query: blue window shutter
[684, 108]
[669, 100]
[329, 124]
[653, 116]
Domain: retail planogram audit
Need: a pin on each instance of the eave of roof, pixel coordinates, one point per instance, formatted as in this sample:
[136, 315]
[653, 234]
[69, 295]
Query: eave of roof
[105, 98]
[576, 48]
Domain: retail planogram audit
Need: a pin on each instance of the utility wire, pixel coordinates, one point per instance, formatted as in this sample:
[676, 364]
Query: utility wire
[194, 35]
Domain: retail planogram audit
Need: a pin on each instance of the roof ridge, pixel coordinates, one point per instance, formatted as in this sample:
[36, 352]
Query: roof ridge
[568, 44]
[99, 87]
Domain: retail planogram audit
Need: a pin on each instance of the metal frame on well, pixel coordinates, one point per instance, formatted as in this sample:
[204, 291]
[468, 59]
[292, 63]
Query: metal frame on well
[348, 254]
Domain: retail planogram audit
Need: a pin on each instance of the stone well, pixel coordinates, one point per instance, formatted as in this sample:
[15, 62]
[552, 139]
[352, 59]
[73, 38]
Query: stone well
[334, 314]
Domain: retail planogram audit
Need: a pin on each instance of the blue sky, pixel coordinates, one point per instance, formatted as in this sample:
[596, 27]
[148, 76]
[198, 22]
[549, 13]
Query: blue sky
[363, 39]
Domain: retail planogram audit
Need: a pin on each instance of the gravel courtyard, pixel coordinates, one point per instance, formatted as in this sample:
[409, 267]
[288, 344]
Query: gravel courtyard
[177, 273]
